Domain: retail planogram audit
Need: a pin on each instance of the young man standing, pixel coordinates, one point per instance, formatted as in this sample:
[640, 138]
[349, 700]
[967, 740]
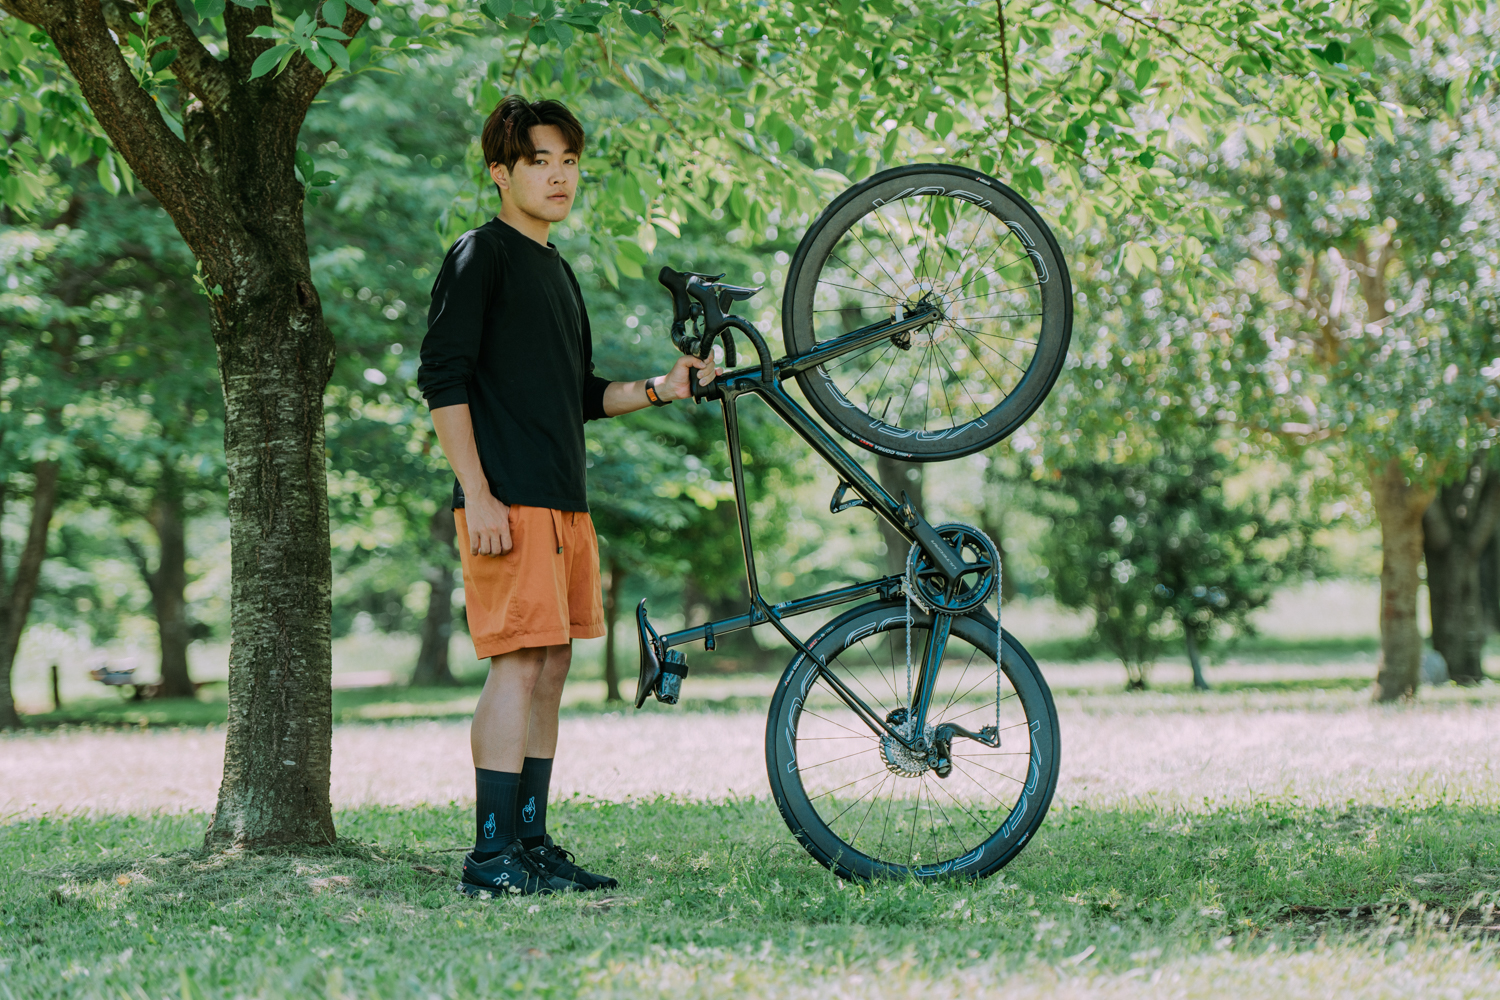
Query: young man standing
[507, 372]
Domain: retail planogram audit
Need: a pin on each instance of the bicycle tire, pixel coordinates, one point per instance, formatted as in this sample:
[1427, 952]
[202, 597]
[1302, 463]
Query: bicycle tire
[841, 391]
[826, 837]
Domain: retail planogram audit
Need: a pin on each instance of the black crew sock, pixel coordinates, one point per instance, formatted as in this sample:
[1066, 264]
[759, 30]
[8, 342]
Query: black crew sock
[536, 775]
[495, 813]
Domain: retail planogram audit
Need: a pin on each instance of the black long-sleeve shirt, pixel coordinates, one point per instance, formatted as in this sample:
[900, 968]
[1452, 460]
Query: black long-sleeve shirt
[508, 334]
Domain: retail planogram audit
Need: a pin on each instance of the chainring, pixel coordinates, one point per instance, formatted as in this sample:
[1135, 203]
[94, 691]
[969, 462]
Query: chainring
[930, 587]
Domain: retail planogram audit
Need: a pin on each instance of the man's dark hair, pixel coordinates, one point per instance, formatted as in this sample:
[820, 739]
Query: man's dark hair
[507, 131]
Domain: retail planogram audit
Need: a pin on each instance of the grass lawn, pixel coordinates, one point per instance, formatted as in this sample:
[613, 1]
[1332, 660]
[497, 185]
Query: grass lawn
[1275, 900]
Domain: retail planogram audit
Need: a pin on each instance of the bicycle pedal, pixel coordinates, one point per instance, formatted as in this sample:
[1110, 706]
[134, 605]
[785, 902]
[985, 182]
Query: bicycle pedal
[669, 682]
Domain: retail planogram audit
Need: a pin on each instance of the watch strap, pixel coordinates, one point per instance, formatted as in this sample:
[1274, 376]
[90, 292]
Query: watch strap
[651, 384]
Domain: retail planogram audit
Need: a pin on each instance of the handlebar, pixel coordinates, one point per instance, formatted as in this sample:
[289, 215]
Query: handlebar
[698, 297]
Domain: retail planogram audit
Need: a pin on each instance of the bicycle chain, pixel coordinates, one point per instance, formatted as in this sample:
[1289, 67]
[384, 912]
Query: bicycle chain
[908, 586]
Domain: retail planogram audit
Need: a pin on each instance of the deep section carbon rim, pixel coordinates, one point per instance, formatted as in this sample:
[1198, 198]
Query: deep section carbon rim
[950, 239]
[866, 807]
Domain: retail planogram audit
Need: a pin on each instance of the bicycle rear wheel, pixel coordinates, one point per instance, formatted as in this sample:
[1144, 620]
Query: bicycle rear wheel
[863, 808]
[930, 235]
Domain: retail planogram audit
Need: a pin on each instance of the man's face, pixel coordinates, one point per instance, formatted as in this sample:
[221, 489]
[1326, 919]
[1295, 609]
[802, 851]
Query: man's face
[543, 188]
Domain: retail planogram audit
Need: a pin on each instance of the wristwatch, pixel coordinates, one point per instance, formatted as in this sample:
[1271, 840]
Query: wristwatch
[651, 384]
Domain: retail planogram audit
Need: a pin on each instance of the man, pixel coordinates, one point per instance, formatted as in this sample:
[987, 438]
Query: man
[507, 372]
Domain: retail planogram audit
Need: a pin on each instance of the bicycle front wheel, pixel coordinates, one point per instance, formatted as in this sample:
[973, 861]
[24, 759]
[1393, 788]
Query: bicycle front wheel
[866, 807]
[930, 236]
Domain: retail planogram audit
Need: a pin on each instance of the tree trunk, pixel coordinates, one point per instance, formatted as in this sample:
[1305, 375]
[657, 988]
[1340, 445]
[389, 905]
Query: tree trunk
[611, 620]
[1400, 507]
[1457, 529]
[15, 606]
[437, 627]
[168, 584]
[1489, 583]
[895, 478]
[1200, 683]
[275, 357]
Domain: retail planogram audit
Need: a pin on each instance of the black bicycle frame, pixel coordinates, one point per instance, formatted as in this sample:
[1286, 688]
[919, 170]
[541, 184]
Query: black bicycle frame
[764, 380]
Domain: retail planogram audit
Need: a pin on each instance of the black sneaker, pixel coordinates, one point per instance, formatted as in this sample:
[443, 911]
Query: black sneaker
[558, 863]
[512, 872]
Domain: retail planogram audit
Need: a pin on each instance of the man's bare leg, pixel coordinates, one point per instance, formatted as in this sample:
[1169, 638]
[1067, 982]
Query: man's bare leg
[546, 699]
[498, 734]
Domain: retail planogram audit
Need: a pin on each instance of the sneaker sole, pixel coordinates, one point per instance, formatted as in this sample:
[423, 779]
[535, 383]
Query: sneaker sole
[486, 892]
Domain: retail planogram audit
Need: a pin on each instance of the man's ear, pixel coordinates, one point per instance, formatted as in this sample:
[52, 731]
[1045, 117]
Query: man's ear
[500, 175]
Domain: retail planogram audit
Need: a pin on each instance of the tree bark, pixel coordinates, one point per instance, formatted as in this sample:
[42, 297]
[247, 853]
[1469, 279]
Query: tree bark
[231, 189]
[15, 606]
[437, 627]
[1457, 529]
[1200, 683]
[1400, 507]
[611, 620]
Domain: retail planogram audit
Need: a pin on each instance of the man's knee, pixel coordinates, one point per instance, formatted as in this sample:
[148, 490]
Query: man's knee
[523, 666]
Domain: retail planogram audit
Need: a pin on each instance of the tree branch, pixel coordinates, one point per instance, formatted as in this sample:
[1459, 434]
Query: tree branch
[1010, 114]
[302, 80]
[243, 50]
[129, 116]
[195, 66]
[1158, 29]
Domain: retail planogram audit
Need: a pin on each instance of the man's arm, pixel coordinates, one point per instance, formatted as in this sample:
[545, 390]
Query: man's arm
[626, 397]
[488, 518]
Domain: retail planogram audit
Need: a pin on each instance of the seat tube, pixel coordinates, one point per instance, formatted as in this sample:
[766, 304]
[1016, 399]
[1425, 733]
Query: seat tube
[742, 509]
[932, 661]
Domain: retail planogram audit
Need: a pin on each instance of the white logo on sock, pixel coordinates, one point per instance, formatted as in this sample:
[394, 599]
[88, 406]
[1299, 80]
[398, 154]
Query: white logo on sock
[489, 827]
[528, 811]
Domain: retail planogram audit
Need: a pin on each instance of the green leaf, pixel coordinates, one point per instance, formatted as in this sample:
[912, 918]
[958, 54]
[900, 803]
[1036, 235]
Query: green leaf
[1139, 257]
[331, 33]
[304, 162]
[334, 12]
[108, 179]
[268, 59]
[1144, 72]
[252, 4]
[337, 53]
[365, 7]
[162, 60]
[1451, 99]
[497, 10]
[318, 58]
[642, 24]
[943, 123]
[1337, 131]
[559, 33]
[208, 8]
[173, 124]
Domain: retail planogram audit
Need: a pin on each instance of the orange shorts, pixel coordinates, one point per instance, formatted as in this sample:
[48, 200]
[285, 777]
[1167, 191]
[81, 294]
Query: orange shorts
[543, 592]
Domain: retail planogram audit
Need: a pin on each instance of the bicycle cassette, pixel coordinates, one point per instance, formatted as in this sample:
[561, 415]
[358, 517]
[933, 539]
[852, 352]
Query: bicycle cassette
[930, 587]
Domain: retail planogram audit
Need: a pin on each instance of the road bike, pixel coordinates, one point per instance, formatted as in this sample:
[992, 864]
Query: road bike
[926, 313]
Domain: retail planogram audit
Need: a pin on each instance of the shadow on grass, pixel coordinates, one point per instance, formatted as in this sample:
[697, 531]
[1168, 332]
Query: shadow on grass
[716, 886]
